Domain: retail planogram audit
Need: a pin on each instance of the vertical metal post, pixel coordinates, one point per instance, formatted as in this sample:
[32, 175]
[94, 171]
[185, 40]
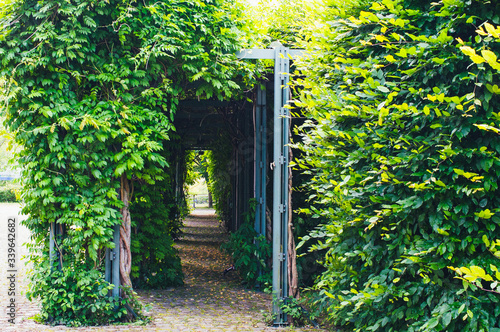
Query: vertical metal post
[245, 169]
[112, 263]
[248, 161]
[281, 56]
[263, 163]
[51, 243]
[285, 192]
[236, 191]
[55, 233]
[257, 159]
[115, 254]
[177, 187]
[260, 161]
[280, 181]
[107, 265]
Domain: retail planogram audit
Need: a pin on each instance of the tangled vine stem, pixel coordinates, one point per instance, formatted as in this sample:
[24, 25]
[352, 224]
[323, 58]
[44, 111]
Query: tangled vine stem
[125, 253]
[293, 276]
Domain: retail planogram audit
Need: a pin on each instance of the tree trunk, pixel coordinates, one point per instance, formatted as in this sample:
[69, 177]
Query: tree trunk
[210, 200]
[125, 232]
[269, 233]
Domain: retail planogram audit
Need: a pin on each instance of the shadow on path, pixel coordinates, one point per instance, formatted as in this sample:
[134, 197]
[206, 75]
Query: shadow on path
[207, 301]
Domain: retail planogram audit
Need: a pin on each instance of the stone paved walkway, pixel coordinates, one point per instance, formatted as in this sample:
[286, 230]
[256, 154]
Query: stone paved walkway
[207, 301]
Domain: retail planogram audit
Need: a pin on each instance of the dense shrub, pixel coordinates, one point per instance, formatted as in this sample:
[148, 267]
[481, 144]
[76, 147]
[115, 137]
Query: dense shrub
[75, 295]
[250, 251]
[218, 163]
[402, 170]
[8, 191]
[157, 215]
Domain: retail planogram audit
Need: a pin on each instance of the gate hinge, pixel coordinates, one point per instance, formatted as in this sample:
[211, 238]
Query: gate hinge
[281, 208]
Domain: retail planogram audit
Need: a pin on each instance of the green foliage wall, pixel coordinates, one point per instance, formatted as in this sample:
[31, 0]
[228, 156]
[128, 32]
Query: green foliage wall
[91, 92]
[8, 191]
[218, 163]
[156, 220]
[402, 168]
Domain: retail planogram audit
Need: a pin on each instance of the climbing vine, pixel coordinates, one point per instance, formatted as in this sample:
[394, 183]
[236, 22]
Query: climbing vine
[91, 93]
[218, 164]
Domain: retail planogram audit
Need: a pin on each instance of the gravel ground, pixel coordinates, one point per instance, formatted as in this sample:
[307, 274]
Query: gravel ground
[207, 302]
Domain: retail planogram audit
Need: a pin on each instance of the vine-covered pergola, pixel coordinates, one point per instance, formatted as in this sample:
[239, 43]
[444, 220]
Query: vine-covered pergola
[104, 98]
[195, 122]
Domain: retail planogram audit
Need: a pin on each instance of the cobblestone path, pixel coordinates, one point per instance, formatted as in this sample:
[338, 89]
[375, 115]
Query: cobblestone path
[207, 301]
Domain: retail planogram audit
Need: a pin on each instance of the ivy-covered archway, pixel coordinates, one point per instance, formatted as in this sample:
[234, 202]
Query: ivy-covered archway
[92, 91]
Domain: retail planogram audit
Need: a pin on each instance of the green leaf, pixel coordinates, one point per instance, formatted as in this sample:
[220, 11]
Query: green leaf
[484, 214]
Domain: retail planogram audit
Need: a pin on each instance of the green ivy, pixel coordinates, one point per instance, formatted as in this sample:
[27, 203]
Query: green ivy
[156, 263]
[75, 296]
[251, 252]
[218, 165]
[8, 191]
[402, 170]
[91, 93]
[157, 216]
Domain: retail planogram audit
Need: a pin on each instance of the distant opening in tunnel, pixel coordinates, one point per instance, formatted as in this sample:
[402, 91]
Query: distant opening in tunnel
[199, 195]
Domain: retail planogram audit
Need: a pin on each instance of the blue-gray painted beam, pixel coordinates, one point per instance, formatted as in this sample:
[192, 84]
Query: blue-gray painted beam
[115, 255]
[260, 161]
[51, 244]
[277, 246]
[256, 54]
[107, 265]
[263, 164]
[280, 182]
[270, 54]
[112, 263]
[285, 192]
